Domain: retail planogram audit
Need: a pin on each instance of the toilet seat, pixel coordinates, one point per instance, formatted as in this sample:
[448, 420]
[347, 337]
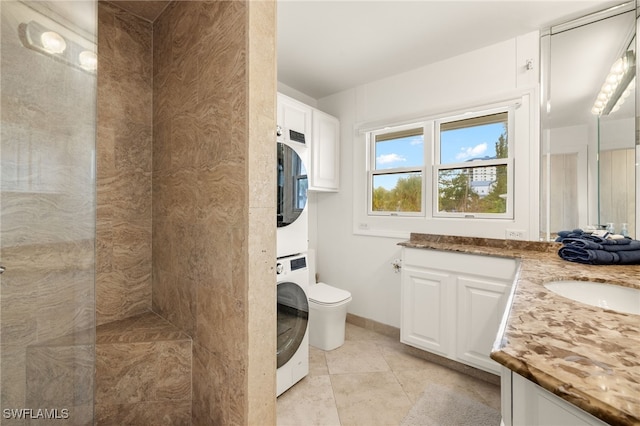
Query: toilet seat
[324, 294]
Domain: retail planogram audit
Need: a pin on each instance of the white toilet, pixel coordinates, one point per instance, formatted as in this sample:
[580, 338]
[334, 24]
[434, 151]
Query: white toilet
[327, 311]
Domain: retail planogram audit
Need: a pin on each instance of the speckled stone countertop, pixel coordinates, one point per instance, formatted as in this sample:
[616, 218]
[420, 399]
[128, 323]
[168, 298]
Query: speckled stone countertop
[586, 355]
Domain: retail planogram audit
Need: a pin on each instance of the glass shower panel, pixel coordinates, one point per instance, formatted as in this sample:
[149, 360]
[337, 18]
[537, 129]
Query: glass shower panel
[47, 211]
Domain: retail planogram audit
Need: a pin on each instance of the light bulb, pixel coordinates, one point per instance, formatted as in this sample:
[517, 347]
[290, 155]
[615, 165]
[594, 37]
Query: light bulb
[88, 60]
[618, 66]
[53, 42]
[613, 78]
[595, 111]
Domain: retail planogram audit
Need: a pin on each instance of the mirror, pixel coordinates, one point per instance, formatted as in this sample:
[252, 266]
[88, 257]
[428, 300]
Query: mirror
[588, 162]
[292, 185]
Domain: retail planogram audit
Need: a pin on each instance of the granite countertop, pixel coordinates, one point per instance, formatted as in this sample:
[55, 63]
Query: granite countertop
[586, 355]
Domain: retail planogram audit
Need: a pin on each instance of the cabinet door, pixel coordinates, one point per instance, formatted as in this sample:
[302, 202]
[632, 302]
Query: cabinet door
[534, 406]
[426, 309]
[294, 115]
[325, 153]
[481, 303]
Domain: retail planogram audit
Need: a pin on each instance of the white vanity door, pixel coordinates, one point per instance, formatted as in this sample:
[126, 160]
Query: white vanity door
[481, 303]
[426, 311]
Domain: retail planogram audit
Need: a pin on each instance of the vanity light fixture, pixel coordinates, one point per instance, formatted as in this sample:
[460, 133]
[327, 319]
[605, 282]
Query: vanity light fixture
[36, 36]
[617, 86]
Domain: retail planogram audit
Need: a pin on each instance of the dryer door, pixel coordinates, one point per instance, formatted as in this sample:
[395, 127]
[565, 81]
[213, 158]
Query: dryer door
[293, 314]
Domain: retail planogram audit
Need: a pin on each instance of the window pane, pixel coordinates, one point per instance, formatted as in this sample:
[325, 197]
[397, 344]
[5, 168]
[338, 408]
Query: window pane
[480, 138]
[399, 149]
[398, 192]
[473, 190]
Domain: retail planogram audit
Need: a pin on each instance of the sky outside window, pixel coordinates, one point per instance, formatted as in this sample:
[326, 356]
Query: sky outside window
[401, 152]
[477, 142]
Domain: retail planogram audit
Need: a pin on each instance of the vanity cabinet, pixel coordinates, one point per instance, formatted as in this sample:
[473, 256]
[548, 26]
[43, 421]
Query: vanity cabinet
[452, 303]
[524, 403]
[320, 132]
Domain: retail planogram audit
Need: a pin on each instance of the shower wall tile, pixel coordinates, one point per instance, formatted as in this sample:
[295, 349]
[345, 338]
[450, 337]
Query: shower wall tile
[59, 376]
[148, 9]
[66, 303]
[14, 372]
[261, 202]
[200, 196]
[124, 165]
[222, 330]
[219, 396]
[203, 262]
[54, 299]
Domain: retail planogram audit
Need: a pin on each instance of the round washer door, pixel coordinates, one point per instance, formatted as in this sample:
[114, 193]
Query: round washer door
[293, 315]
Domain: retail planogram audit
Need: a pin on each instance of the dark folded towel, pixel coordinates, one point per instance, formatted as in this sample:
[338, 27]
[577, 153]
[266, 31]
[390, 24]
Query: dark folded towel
[576, 233]
[623, 244]
[599, 257]
[606, 241]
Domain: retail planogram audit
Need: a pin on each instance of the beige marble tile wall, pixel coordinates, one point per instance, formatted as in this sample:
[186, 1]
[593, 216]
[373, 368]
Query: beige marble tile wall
[124, 165]
[48, 221]
[213, 205]
[262, 78]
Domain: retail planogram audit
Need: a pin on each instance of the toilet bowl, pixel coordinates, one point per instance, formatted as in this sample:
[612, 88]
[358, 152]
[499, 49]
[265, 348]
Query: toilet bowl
[327, 311]
[327, 315]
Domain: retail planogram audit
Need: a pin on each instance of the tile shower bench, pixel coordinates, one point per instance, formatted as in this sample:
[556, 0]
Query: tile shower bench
[585, 355]
[143, 372]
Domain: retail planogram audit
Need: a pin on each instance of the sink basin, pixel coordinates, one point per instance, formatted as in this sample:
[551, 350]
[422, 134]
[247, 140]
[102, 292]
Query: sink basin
[606, 296]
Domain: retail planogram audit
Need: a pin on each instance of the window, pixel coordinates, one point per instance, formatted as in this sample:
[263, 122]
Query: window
[396, 171]
[461, 168]
[472, 166]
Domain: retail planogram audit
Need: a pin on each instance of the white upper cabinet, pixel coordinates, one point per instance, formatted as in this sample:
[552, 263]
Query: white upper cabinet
[325, 153]
[301, 123]
[294, 119]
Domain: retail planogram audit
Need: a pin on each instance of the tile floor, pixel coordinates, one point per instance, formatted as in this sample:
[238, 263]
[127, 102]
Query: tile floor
[369, 381]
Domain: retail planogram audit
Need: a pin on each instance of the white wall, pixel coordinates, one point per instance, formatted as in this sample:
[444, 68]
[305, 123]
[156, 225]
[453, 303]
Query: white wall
[360, 261]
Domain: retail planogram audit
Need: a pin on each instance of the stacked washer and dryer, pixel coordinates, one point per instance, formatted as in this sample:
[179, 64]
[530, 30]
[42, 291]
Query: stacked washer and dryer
[292, 269]
[308, 312]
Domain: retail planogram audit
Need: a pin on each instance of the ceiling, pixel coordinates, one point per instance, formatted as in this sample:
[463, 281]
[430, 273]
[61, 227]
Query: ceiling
[325, 47]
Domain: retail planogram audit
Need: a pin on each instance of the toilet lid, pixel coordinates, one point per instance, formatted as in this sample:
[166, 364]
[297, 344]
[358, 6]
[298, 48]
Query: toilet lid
[325, 294]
